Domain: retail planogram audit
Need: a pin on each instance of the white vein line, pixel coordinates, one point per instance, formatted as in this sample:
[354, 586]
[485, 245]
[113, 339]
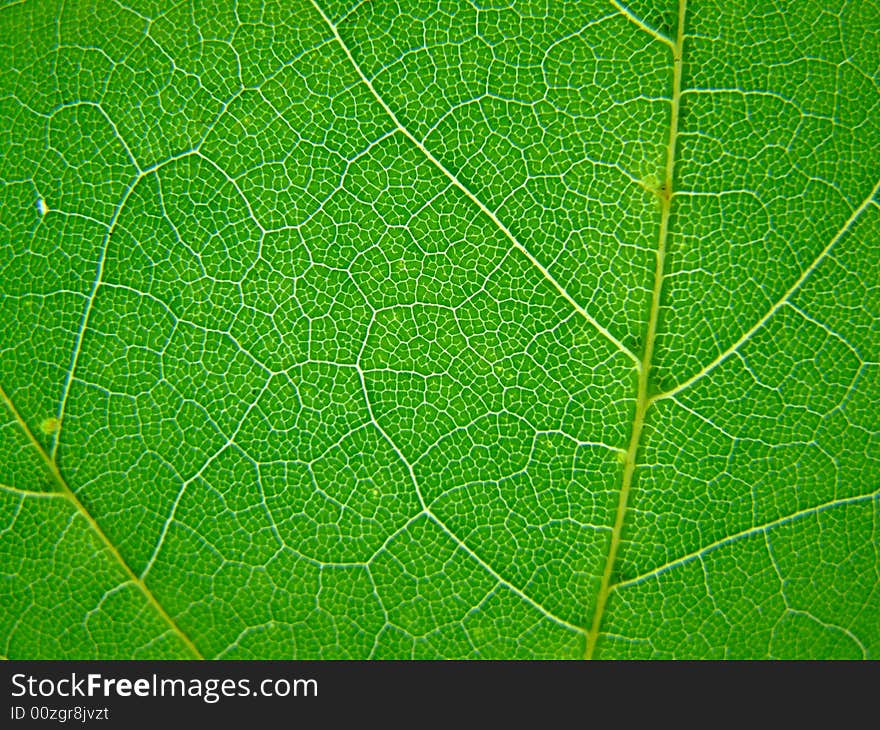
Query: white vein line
[638, 22]
[831, 627]
[744, 534]
[29, 492]
[99, 275]
[472, 197]
[807, 614]
[426, 511]
[87, 313]
[80, 512]
[230, 442]
[783, 300]
[502, 581]
[96, 284]
[829, 331]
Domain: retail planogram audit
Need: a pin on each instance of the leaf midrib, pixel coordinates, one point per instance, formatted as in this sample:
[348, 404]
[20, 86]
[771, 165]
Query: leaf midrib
[643, 400]
[643, 364]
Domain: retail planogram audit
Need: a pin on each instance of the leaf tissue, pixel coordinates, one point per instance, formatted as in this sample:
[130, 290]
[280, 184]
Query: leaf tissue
[431, 328]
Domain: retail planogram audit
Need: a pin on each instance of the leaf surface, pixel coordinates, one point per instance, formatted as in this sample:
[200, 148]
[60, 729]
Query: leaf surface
[418, 329]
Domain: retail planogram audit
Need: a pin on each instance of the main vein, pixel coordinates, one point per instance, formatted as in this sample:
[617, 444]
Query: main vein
[642, 399]
[66, 492]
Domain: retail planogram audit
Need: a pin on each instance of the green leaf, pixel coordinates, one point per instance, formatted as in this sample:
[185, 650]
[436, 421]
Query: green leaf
[434, 329]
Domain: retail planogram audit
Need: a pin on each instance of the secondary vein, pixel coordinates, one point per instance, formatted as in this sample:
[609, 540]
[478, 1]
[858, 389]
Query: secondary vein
[642, 399]
[782, 301]
[471, 196]
[66, 492]
[748, 532]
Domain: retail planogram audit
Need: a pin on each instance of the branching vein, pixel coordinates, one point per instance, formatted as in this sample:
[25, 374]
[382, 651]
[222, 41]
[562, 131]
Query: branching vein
[747, 335]
[759, 529]
[66, 492]
[642, 399]
[639, 23]
[472, 197]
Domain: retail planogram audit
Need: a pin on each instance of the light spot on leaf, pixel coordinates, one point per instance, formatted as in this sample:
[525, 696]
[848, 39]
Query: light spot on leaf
[50, 426]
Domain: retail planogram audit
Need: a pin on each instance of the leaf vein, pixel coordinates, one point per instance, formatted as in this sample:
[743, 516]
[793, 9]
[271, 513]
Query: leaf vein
[642, 398]
[706, 549]
[639, 23]
[472, 197]
[782, 301]
[68, 493]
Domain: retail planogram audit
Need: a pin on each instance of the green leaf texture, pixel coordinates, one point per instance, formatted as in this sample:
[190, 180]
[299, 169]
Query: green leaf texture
[430, 328]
